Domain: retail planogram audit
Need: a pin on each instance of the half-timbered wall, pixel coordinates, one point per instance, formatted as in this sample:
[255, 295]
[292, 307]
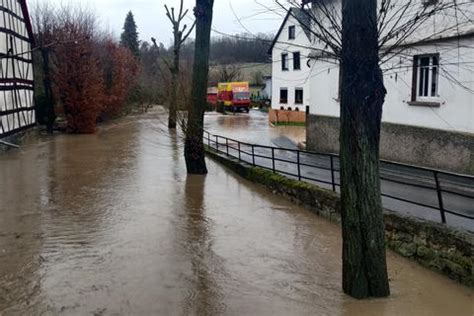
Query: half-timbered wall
[16, 69]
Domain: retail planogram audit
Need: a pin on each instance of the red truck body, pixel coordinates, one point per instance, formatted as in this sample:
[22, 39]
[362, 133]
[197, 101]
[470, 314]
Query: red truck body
[234, 96]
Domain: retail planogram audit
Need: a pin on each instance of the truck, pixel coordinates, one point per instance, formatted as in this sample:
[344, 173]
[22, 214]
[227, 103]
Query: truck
[234, 96]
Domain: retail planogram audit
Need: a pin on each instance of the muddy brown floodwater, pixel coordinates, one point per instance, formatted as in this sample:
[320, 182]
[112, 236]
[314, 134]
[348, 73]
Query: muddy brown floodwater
[109, 224]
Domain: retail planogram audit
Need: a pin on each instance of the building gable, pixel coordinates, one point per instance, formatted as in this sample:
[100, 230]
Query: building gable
[303, 19]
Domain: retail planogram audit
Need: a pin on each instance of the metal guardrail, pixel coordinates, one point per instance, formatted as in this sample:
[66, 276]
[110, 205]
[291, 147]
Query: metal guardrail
[324, 169]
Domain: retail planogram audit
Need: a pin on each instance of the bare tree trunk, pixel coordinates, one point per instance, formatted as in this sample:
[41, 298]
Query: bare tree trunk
[180, 37]
[174, 86]
[362, 98]
[194, 147]
[48, 89]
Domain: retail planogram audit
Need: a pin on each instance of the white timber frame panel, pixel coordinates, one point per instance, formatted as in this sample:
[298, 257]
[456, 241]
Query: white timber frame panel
[17, 109]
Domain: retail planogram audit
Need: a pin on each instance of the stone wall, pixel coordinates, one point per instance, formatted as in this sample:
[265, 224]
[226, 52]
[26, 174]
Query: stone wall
[433, 245]
[402, 143]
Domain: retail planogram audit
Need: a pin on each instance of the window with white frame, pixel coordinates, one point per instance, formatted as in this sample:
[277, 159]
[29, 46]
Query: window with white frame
[296, 61]
[425, 77]
[284, 62]
[298, 96]
[284, 95]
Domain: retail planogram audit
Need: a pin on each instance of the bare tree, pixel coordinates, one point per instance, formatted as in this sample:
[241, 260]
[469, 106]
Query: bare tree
[228, 73]
[193, 146]
[364, 37]
[180, 36]
[43, 23]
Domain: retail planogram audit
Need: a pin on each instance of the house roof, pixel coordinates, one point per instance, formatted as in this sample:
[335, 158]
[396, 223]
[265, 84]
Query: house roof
[302, 17]
[26, 17]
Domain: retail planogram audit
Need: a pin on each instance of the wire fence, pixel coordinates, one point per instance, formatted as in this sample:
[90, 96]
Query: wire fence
[445, 192]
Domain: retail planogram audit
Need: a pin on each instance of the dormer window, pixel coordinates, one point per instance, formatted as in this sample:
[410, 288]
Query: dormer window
[292, 32]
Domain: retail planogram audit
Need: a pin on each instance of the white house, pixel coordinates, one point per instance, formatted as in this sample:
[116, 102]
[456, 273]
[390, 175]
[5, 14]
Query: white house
[290, 52]
[17, 111]
[428, 115]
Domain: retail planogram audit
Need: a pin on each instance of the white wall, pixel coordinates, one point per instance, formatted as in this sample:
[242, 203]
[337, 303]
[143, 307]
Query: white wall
[456, 110]
[291, 79]
[456, 83]
[324, 87]
[268, 88]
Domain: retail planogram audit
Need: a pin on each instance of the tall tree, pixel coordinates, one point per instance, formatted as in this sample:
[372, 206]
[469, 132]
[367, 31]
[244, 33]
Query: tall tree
[367, 36]
[194, 146]
[129, 37]
[44, 23]
[77, 75]
[179, 38]
[362, 98]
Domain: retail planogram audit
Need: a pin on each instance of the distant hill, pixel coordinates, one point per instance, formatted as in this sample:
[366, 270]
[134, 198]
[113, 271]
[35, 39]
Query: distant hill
[251, 72]
[241, 48]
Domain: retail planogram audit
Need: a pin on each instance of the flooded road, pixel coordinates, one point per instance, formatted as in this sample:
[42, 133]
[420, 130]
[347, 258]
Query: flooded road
[254, 128]
[110, 224]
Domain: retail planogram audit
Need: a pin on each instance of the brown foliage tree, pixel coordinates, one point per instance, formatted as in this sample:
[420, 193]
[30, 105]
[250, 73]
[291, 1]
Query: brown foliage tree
[78, 80]
[120, 72]
[91, 74]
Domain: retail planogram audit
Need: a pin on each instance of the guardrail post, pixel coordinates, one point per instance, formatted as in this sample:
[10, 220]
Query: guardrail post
[253, 155]
[240, 156]
[298, 164]
[209, 139]
[227, 146]
[440, 198]
[273, 159]
[217, 143]
[333, 180]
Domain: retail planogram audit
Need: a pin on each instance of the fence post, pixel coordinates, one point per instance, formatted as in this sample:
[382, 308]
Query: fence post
[240, 157]
[333, 180]
[440, 198]
[253, 155]
[227, 146]
[298, 164]
[273, 159]
[209, 139]
[217, 143]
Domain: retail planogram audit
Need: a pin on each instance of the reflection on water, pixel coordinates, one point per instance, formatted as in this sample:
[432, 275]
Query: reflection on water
[205, 296]
[111, 224]
[254, 128]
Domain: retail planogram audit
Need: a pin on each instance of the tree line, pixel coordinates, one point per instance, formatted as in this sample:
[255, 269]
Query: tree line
[82, 74]
[229, 49]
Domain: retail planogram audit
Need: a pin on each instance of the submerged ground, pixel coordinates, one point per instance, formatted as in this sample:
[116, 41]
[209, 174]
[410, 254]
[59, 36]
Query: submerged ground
[111, 224]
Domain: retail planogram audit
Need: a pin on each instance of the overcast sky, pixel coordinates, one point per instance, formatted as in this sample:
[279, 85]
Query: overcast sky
[151, 19]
